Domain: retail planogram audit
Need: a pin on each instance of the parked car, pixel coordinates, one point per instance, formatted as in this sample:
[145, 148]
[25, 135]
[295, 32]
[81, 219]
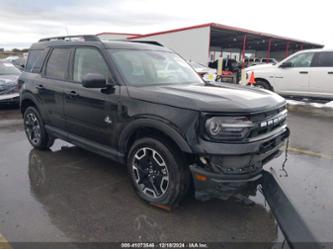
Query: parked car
[19, 63]
[251, 62]
[306, 73]
[109, 98]
[268, 61]
[207, 73]
[8, 83]
[258, 61]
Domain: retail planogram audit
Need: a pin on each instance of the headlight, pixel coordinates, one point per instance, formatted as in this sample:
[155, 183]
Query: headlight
[228, 128]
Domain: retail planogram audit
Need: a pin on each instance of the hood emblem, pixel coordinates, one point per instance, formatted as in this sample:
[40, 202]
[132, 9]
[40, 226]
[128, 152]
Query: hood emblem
[108, 120]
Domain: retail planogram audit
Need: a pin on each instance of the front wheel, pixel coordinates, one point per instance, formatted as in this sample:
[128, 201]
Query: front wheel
[35, 131]
[263, 84]
[158, 171]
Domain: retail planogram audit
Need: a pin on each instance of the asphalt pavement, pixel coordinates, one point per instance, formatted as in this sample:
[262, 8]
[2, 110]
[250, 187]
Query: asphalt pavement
[68, 194]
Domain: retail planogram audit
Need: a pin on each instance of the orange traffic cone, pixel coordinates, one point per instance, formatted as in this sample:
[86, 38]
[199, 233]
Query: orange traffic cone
[252, 80]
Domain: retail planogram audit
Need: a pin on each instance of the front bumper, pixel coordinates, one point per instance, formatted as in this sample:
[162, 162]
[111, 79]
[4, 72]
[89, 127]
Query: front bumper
[12, 98]
[225, 175]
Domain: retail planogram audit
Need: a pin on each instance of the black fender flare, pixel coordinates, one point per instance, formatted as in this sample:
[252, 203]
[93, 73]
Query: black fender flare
[28, 96]
[161, 126]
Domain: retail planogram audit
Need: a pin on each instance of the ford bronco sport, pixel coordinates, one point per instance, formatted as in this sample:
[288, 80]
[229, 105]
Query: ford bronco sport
[170, 128]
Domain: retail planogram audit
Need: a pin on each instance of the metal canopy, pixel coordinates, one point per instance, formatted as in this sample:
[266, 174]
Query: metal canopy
[227, 37]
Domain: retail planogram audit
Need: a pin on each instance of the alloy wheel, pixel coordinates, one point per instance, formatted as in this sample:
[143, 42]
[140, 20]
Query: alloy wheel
[32, 127]
[150, 172]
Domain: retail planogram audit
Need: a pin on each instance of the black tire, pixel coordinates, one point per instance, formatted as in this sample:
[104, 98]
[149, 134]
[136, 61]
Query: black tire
[263, 84]
[35, 130]
[175, 163]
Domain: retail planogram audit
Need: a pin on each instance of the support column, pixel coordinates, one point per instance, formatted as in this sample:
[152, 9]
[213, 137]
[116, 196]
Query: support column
[287, 49]
[243, 51]
[268, 53]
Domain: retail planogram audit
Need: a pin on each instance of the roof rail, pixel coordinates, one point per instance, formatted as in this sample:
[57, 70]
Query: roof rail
[148, 42]
[72, 38]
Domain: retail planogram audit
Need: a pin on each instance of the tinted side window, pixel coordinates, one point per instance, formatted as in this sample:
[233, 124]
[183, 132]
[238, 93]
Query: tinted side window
[323, 59]
[34, 60]
[57, 64]
[301, 60]
[89, 60]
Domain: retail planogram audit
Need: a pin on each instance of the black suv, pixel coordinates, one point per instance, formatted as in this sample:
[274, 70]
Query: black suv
[142, 105]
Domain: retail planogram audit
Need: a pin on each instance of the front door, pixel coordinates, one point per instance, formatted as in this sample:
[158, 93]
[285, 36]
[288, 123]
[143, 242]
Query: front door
[294, 79]
[90, 113]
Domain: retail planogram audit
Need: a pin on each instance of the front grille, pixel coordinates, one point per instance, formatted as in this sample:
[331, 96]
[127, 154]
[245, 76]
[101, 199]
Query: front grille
[268, 122]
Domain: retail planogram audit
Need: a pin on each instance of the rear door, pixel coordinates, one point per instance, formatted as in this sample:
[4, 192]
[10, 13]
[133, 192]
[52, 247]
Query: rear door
[321, 77]
[294, 79]
[50, 86]
[90, 113]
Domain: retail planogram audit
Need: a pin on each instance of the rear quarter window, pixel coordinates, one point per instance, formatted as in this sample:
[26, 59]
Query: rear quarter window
[57, 64]
[34, 61]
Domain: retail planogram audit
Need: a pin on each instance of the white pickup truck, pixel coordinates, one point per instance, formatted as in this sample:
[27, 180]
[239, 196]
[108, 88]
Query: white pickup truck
[306, 73]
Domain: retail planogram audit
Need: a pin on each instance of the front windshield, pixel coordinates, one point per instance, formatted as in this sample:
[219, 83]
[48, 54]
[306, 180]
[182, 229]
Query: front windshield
[7, 68]
[146, 67]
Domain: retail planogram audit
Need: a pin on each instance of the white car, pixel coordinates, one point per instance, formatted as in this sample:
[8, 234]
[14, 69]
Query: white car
[207, 73]
[306, 73]
[8, 83]
[257, 61]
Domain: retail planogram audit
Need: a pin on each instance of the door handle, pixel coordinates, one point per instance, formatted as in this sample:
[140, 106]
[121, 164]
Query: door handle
[40, 86]
[303, 72]
[330, 72]
[72, 93]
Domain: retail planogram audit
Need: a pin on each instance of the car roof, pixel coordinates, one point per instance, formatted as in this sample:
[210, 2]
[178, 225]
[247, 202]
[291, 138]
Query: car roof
[316, 50]
[116, 44]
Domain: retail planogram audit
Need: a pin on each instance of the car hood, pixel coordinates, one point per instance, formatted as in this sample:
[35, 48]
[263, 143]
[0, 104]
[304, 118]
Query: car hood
[8, 78]
[209, 98]
[8, 81]
[260, 67]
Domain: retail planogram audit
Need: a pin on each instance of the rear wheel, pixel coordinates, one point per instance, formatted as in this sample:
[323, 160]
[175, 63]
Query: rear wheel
[35, 131]
[158, 171]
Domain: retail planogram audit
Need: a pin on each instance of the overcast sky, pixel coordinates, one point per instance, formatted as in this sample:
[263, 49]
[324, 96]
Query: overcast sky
[24, 22]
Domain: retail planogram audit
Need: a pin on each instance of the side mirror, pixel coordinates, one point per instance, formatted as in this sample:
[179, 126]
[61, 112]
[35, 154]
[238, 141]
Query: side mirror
[286, 64]
[94, 80]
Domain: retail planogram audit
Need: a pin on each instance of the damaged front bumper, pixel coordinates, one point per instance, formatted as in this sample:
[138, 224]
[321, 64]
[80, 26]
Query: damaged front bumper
[211, 185]
[223, 176]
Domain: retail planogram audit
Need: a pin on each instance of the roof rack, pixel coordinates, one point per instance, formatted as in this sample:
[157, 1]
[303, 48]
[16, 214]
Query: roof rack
[148, 42]
[72, 38]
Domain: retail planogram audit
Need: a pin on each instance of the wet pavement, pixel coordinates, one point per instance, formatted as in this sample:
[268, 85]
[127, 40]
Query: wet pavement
[68, 194]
